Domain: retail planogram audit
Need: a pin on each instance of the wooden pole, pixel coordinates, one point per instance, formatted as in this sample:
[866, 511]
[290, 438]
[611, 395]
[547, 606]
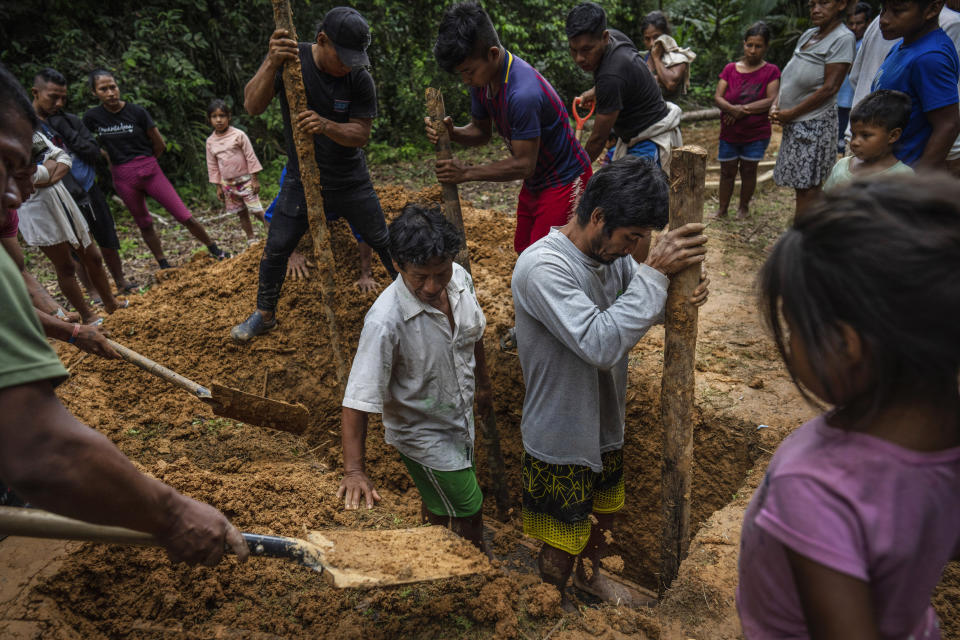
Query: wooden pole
[687, 177]
[310, 176]
[451, 195]
[453, 213]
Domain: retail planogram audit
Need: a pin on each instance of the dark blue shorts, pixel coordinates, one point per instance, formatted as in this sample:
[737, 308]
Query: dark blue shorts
[749, 151]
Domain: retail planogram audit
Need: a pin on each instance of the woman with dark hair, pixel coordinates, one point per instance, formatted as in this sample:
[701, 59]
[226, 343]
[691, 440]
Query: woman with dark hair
[859, 512]
[744, 94]
[668, 62]
[807, 104]
[133, 144]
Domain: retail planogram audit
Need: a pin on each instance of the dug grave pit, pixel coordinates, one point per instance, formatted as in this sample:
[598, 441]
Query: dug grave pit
[279, 484]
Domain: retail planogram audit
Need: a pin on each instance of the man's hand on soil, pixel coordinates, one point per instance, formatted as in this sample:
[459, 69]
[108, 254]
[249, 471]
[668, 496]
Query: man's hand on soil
[297, 266]
[678, 249]
[200, 534]
[433, 132]
[354, 487]
[93, 339]
[366, 284]
[451, 172]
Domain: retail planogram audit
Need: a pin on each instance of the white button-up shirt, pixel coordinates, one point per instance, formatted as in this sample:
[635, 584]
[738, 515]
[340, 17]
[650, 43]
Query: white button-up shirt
[419, 373]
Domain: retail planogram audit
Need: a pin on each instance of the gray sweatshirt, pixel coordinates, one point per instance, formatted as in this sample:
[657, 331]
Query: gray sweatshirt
[577, 320]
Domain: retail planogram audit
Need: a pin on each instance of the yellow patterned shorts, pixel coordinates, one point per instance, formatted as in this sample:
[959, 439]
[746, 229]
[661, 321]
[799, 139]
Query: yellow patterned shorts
[559, 498]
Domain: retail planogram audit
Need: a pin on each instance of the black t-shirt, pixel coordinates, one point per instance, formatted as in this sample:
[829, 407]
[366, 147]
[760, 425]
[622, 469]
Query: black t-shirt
[625, 84]
[124, 133]
[337, 99]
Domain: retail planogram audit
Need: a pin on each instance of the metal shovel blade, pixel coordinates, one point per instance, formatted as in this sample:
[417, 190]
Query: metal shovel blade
[253, 409]
[382, 557]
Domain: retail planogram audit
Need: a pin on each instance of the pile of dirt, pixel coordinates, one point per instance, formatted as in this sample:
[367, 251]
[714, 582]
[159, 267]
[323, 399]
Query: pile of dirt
[276, 483]
[267, 481]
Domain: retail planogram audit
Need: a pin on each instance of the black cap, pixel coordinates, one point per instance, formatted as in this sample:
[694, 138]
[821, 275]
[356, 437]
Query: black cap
[350, 35]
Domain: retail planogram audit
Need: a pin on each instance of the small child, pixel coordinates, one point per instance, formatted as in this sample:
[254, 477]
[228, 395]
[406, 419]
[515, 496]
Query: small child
[233, 166]
[859, 512]
[876, 124]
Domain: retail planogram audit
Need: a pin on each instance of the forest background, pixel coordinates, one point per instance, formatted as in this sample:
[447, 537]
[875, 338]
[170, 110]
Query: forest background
[174, 56]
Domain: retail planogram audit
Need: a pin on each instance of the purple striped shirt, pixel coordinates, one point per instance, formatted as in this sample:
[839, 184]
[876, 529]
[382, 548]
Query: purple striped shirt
[527, 107]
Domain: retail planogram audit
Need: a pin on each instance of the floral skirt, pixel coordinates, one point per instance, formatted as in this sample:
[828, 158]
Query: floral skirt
[808, 151]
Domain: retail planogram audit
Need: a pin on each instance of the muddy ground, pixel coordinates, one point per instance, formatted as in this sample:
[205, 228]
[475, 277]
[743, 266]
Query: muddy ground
[276, 483]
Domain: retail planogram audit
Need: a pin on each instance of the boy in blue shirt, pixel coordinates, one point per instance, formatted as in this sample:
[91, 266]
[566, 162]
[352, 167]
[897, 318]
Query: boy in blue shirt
[925, 67]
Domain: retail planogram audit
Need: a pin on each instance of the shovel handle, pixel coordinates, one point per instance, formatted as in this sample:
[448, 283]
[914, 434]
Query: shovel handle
[160, 371]
[576, 116]
[35, 523]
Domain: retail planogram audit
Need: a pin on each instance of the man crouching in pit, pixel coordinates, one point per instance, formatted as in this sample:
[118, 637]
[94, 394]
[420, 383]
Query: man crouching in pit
[582, 303]
[418, 364]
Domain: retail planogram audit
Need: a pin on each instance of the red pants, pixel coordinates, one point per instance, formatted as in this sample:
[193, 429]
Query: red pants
[537, 212]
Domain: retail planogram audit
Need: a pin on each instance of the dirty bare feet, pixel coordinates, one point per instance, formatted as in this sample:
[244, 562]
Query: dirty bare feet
[743, 213]
[721, 213]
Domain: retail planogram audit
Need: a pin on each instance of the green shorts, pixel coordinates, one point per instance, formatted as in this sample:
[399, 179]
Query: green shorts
[559, 498]
[454, 494]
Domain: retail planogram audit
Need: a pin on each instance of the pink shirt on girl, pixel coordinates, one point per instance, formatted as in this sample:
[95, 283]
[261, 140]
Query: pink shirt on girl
[744, 88]
[860, 506]
[230, 156]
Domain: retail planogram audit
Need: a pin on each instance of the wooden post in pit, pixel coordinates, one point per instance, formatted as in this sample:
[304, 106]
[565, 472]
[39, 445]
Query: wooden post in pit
[453, 213]
[310, 176]
[687, 177]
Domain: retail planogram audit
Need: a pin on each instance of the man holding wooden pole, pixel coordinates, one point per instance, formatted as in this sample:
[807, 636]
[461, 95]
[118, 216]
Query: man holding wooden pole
[531, 118]
[582, 303]
[342, 102]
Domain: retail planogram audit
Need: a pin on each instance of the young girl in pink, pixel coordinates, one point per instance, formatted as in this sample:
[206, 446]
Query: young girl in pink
[744, 94]
[859, 511]
[233, 166]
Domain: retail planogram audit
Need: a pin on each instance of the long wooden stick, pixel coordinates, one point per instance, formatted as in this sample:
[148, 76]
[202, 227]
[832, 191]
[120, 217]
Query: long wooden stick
[687, 177]
[453, 213]
[310, 176]
[451, 195]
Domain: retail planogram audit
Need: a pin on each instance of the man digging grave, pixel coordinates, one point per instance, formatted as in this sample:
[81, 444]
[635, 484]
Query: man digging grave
[582, 303]
[342, 103]
[417, 365]
[508, 92]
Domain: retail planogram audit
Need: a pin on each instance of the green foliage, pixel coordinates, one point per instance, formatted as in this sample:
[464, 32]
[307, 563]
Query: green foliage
[714, 30]
[173, 56]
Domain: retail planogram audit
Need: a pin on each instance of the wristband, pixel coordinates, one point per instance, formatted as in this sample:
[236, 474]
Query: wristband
[76, 332]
